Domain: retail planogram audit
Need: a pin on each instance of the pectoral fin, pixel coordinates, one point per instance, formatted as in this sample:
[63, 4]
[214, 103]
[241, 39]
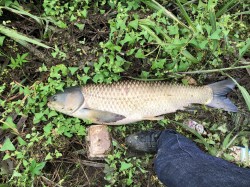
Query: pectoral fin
[154, 118]
[99, 116]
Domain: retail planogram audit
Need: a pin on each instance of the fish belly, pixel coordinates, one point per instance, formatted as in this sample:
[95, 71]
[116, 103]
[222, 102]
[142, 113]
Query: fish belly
[139, 100]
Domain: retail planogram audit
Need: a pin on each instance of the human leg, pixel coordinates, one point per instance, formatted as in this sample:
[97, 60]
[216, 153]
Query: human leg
[179, 162]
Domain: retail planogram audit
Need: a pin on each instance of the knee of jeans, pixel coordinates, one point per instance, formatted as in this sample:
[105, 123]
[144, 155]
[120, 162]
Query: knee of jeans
[166, 134]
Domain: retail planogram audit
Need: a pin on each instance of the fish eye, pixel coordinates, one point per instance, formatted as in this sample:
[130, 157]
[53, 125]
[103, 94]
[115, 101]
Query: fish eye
[54, 98]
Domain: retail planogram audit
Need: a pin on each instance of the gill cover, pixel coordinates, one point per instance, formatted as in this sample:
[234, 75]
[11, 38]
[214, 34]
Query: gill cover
[67, 101]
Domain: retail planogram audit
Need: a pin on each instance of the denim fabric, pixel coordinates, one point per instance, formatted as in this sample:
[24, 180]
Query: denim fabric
[180, 163]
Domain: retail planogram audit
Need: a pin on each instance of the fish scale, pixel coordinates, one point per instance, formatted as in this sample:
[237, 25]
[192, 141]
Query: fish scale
[143, 99]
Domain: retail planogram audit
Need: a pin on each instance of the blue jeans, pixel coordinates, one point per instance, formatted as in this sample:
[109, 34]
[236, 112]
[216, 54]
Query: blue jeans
[180, 163]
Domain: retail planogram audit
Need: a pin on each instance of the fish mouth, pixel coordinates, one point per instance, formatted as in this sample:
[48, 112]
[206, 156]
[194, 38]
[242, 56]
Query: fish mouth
[49, 104]
[51, 99]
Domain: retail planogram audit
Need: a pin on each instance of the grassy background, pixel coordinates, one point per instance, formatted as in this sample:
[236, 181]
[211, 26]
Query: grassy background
[49, 45]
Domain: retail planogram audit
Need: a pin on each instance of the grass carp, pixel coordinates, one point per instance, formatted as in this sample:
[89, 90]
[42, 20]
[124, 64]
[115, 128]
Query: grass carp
[131, 101]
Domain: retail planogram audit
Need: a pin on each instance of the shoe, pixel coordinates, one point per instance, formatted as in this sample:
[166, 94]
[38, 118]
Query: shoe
[145, 141]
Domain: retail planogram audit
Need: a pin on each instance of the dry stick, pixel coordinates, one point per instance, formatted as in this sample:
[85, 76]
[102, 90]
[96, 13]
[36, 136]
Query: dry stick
[15, 131]
[93, 164]
[40, 55]
[50, 182]
[13, 97]
[84, 162]
[18, 126]
[79, 161]
[55, 174]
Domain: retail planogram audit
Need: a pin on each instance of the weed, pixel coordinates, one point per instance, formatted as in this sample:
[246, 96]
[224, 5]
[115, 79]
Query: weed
[147, 40]
[120, 169]
[18, 61]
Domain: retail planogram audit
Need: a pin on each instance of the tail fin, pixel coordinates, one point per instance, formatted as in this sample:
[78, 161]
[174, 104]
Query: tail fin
[220, 91]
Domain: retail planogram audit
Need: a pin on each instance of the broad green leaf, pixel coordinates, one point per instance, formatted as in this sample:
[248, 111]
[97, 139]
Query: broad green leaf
[6, 156]
[47, 128]
[73, 70]
[134, 24]
[216, 35]
[21, 141]
[80, 26]
[38, 117]
[58, 154]
[19, 155]
[158, 64]
[125, 166]
[144, 74]
[86, 69]
[36, 168]
[9, 124]
[173, 30]
[153, 25]
[61, 24]
[52, 113]
[128, 39]
[84, 13]
[183, 66]
[139, 54]
[189, 56]
[16, 174]
[222, 128]
[84, 78]
[48, 157]
[25, 163]
[8, 146]
[73, 18]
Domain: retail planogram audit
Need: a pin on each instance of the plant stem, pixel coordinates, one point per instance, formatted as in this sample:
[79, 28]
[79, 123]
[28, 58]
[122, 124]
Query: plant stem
[215, 70]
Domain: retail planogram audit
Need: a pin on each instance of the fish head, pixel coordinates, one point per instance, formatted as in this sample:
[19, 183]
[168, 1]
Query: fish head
[67, 101]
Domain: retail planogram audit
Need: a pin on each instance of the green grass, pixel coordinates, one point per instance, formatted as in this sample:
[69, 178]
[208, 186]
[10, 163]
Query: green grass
[68, 43]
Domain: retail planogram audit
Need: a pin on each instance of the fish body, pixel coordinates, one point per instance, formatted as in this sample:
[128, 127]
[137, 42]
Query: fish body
[131, 101]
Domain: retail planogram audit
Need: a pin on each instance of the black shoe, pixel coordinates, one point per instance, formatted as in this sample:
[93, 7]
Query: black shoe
[145, 141]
